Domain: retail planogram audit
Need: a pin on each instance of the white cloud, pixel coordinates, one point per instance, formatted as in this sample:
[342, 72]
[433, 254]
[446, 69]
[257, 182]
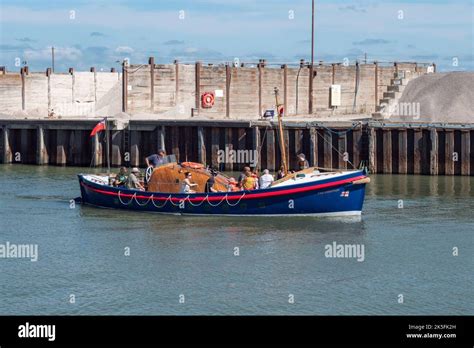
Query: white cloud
[124, 49]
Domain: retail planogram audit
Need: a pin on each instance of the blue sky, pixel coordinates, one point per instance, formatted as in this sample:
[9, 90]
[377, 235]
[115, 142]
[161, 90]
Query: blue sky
[99, 33]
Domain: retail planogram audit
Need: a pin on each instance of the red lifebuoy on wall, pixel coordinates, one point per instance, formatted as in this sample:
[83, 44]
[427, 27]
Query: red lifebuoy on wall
[207, 100]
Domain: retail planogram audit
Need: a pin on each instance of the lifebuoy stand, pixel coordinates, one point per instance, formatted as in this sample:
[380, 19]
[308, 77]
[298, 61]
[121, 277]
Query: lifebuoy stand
[207, 100]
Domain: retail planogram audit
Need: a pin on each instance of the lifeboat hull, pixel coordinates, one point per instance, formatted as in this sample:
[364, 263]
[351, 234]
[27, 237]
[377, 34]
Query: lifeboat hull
[338, 194]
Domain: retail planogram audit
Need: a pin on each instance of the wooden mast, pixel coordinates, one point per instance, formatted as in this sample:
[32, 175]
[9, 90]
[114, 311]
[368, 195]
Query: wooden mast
[280, 109]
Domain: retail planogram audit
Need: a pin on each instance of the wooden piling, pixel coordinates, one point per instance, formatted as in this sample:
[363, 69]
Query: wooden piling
[215, 147]
[201, 145]
[343, 155]
[160, 137]
[116, 159]
[96, 151]
[465, 152]
[434, 151]
[271, 147]
[61, 159]
[417, 151]
[327, 137]
[41, 153]
[174, 133]
[449, 152]
[256, 145]
[24, 153]
[387, 151]
[228, 147]
[134, 148]
[313, 146]
[356, 146]
[372, 150]
[402, 151]
[6, 149]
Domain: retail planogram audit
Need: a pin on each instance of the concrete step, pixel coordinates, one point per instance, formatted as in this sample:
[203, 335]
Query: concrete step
[396, 88]
[399, 82]
[388, 101]
[392, 95]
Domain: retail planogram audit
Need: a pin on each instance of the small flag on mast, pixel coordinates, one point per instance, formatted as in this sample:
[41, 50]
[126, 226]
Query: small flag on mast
[99, 127]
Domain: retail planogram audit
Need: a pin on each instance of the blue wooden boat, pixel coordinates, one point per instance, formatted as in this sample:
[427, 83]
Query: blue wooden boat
[309, 192]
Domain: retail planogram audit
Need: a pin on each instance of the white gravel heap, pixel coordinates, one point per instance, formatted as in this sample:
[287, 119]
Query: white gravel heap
[443, 97]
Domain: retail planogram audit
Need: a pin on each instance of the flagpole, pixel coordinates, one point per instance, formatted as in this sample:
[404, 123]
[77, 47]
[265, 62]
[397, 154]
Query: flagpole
[108, 144]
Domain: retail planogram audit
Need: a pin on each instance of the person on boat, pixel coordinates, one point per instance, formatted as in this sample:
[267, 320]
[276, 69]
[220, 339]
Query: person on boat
[242, 176]
[302, 162]
[186, 185]
[281, 173]
[254, 173]
[266, 179]
[121, 178]
[250, 182]
[209, 187]
[133, 182]
[232, 185]
[156, 160]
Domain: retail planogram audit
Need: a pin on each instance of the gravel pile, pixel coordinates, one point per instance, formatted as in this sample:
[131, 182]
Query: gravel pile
[443, 97]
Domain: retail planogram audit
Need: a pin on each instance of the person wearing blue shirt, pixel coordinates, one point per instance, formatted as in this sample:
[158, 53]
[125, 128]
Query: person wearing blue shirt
[156, 160]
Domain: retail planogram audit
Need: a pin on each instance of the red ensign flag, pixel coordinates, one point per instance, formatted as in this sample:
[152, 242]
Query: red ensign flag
[99, 127]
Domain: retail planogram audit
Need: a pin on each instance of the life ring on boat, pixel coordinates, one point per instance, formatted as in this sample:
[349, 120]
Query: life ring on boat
[192, 165]
[207, 100]
[148, 173]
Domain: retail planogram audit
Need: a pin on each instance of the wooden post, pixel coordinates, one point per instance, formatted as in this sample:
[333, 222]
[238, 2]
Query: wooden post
[41, 153]
[23, 89]
[215, 144]
[285, 88]
[151, 62]
[449, 152]
[298, 141]
[356, 146]
[198, 85]
[327, 149]
[24, 150]
[124, 87]
[176, 71]
[228, 147]
[161, 135]
[402, 151]
[6, 149]
[134, 148]
[465, 152]
[342, 148]
[175, 143]
[333, 74]
[372, 150]
[228, 78]
[310, 90]
[271, 147]
[376, 84]
[434, 152]
[260, 77]
[97, 151]
[60, 148]
[116, 148]
[313, 146]
[256, 145]
[387, 151]
[201, 145]
[417, 151]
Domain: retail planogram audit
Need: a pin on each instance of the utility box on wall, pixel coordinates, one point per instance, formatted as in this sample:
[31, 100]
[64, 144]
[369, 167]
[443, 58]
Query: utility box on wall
[335, 95]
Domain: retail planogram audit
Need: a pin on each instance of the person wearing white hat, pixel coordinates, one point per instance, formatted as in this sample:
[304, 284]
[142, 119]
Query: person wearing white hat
[133, 181]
